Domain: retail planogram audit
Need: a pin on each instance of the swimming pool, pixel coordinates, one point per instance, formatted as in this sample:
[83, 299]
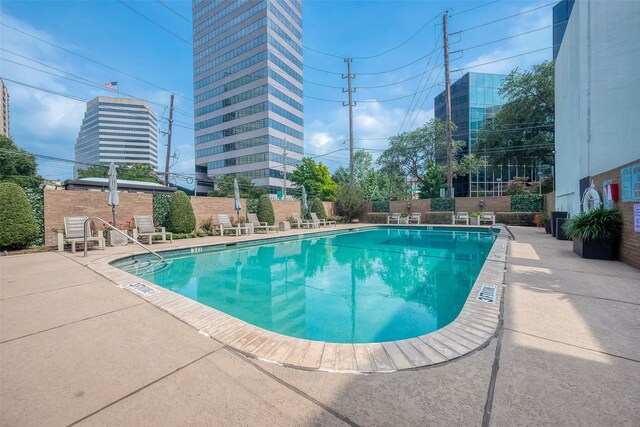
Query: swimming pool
[359, 286]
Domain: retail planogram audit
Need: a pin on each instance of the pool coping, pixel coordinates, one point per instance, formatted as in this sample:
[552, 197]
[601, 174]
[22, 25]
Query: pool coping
[473, 328]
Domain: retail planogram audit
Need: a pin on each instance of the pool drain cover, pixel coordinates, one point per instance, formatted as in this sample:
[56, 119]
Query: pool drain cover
[487, 293]
[143, 289]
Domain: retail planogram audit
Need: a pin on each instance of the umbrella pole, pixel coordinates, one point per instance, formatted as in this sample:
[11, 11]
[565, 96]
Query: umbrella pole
[113, 215]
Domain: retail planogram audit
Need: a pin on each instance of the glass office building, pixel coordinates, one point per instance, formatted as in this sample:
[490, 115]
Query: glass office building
[561, 13]
[247, 60]
[118, 130]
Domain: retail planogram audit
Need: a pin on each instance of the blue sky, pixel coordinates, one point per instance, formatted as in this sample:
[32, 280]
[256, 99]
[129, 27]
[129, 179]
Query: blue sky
[108, 41]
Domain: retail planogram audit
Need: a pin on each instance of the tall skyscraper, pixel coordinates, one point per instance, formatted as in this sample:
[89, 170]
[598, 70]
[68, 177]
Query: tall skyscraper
[4, 106]
[119, 130]
[475, 98]
[561, 14]
[247, 60]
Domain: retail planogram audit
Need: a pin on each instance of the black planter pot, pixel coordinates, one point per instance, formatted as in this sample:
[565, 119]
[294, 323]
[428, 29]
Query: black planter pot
[595, 249]
[559, 231]
[547, 226]
[555, 215]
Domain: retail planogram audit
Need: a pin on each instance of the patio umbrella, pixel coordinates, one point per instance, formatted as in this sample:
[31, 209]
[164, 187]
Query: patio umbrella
[236, 198]
[113, 200]
[303, 202]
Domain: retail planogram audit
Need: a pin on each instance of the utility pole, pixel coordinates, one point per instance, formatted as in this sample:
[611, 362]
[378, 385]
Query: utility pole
[284, 179]
[351, 104]
[166, 164]
[447, 102]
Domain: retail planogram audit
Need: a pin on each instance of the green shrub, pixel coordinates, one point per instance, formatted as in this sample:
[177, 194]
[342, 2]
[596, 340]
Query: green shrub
[265, 210]
[438, 217]
[207, 226]
[349, 201]
[161, 207]
[598, 224]
[443, 204]
[181, 216]
[380, 206]
[317, 207]
[18, 226]
[516, 218]
[377, 217]
[35, 195]
[252, 205]
[527, 203]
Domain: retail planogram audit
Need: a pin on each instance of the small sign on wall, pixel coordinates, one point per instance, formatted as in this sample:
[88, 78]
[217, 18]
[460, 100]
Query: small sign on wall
[636, 218]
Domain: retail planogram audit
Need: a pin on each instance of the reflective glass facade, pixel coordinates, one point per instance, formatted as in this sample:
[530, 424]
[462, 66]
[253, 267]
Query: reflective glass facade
[119, 130]
[247, 89]
[561, 13]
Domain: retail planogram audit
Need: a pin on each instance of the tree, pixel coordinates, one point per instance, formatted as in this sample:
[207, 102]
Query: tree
[17, 165]
[433, 181]
[265, 210]
[362, 165]
[316, 180]
[133, 172]
[349, 200]
[17, 224]
[248, 190]
[181, 216]
[522, 132]
[341, 176]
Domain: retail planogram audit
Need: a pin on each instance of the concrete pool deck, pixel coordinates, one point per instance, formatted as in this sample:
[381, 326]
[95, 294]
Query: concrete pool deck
[77, 349]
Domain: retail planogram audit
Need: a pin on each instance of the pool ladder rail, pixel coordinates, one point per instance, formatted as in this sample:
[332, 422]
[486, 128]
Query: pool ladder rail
[504, 226]
[119, 231]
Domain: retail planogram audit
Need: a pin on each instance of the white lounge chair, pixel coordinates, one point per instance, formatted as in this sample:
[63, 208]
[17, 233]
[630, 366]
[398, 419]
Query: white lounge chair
[225, 225]
[488, 217]
[461, 217]
[314, 218]
[257, 225]
[146, 228]
[394, 218]
[415, 218]
[299, 222]
[74, 233]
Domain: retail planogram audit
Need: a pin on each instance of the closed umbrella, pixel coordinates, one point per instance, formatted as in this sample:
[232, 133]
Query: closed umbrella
[236, 198]
[303, 202]
[113, 200]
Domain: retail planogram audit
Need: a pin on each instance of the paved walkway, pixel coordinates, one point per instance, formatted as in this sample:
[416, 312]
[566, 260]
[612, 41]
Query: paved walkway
[76, 349]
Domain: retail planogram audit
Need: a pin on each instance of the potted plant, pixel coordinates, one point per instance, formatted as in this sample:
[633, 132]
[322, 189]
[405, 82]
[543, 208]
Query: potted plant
[595, 233]
[474, 218]
[542, 220]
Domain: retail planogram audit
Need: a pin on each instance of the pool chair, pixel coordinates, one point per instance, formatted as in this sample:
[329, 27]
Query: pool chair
[314, 218]
[299, 222]
[225, 225]
[74, 233]
[394, 218]
[462, 217]
[257, 225]
[146, 228]
[487, 217]
[415, 218]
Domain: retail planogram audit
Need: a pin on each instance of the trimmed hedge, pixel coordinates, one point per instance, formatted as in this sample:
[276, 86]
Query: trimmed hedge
[380, 206]
[377, 217]
[35, 195]
[161, 208]
[437, 217]
[516, 218]
[317, 207]
[444, 204]
[18, 228]
[527, 203]
[181, 216]
[264, 210]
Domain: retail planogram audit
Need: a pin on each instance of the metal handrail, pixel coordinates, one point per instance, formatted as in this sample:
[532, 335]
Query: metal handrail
[505, 226]
[119, 231]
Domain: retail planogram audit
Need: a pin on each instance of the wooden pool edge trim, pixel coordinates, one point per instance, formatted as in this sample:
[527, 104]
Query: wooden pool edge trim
[473, 328]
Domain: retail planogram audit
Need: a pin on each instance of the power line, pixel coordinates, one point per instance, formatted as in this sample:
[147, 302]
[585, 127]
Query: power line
[502, 39]
[174, 11]
[502, 59]
[401, 67]
[503, 19]
[474, 8]
[154, 22]
[94, 61]
[400, 97]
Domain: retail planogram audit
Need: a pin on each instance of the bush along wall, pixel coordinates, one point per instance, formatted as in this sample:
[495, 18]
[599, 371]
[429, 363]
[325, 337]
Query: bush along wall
[264, 210]
[161, 207]
[18, 227]
[437, 217]
[380, 206]
[318, 208]
[181, 216]
[527, 203]
[377, 217]
[35, 195]
[445, 204]
[516, 218]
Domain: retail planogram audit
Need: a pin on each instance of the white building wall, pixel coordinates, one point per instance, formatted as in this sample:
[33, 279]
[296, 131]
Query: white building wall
[597, 80]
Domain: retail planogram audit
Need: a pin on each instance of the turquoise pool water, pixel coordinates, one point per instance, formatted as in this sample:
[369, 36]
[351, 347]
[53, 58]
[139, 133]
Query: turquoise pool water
[377, 285]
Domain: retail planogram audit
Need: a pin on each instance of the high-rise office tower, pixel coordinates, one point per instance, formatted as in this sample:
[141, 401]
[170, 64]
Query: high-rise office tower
[4, 106]
[247, 60]
[119, 130]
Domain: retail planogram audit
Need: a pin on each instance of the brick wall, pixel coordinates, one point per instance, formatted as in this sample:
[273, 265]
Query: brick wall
[630, 240]
[61, 203]
[491, 204]
[550, 202]
[420, 205]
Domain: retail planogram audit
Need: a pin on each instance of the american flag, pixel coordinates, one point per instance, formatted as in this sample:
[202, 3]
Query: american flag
[111, 85]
